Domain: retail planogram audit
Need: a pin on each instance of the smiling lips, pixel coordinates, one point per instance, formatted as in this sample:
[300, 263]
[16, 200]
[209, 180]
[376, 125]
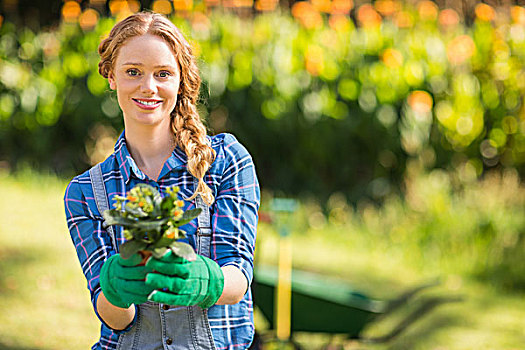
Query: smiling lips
[146, 103]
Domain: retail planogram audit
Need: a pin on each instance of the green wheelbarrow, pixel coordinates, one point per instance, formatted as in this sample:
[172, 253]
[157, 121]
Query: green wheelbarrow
[323, 305]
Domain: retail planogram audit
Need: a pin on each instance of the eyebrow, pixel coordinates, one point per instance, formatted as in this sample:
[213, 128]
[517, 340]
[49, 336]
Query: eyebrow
[140, 64]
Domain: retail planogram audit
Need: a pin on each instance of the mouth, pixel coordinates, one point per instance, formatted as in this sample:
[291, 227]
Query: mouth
[147, 103]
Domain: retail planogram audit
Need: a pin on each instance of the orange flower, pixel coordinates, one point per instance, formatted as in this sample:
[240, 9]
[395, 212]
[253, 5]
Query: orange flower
[132, 198]
[141, 204]
[179, 203]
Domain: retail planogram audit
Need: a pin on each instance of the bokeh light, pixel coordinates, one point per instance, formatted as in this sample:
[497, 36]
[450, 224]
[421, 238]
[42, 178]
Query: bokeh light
[307, 15]
[164, 6]
[518, 14]
[428, 10]
[368, 16]
[123, 8]
[448, 18]
[342, 6]
[266, 5]
[71, 11]
[387, 7]
[392, 58]
[420, 101]
[460, 49]
[485, 12]
[88, 19]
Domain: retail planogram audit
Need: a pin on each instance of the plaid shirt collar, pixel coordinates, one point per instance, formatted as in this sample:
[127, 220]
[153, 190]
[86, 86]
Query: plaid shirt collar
[128, 167]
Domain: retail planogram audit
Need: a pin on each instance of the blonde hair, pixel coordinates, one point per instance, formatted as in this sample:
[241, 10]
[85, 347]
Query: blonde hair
[189, 131]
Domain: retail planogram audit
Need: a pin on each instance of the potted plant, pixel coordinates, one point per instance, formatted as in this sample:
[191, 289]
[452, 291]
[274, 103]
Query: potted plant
[151, 222]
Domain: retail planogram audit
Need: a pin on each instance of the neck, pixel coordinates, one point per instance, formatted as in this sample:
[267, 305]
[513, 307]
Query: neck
[150, 147]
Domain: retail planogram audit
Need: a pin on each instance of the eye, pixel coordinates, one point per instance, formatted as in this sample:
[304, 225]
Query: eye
[132, 72]
[164, 74]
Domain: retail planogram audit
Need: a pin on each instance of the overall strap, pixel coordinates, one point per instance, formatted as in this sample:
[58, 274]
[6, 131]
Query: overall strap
[204, 221]
[101, 198]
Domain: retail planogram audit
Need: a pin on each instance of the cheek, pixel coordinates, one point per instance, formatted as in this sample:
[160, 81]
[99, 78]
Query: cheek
[124, 89]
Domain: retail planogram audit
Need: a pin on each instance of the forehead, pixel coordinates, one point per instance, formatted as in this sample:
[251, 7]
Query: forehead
[147, 50]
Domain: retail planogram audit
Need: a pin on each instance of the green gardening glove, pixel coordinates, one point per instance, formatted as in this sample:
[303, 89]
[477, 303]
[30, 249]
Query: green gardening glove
[122, 281]
[181, 282]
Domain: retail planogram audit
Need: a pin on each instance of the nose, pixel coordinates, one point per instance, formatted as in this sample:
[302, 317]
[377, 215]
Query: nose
[148, 85]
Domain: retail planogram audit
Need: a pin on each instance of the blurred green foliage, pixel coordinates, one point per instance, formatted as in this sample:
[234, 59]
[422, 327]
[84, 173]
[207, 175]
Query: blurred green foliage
[477, 232]
[324, 105]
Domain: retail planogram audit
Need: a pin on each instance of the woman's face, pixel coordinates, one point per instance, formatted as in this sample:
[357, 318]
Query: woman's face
[146, 76]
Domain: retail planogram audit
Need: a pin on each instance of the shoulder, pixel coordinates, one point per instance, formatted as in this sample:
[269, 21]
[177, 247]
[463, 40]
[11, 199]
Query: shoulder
[228, 148]
[75, 188]
[80, 185]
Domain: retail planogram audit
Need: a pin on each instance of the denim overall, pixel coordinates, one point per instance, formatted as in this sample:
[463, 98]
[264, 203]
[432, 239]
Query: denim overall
[158, 326]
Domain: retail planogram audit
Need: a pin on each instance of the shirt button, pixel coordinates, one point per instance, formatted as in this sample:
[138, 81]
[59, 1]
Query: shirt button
[166, 307]
[169, 341]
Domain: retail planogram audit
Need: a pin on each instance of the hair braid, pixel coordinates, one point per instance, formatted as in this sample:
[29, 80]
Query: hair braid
[190, 132]
[190, 135]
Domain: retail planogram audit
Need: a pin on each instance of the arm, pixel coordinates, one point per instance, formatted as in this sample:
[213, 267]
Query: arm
[234, 220]
[94, 250]
[235, 285]
[115, 317]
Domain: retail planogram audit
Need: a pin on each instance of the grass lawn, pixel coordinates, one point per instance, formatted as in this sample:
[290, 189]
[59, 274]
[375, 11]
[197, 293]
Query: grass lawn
[46, 303]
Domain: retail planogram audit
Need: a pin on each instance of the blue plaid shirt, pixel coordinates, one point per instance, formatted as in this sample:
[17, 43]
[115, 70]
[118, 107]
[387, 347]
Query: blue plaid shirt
[234, 184]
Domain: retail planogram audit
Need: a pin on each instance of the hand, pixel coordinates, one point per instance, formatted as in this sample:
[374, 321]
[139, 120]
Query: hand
[122, 281]
[181, 282]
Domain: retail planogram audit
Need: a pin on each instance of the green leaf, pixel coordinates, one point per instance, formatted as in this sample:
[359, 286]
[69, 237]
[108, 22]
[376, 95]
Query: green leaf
[167, 204]
[138, 212]
[163, 242]
[128, 248]
[183, 250]
[188, 216]
[150, 225]
[159, 252]
[114, 217]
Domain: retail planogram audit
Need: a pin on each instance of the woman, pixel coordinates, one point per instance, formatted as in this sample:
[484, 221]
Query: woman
[169, 303]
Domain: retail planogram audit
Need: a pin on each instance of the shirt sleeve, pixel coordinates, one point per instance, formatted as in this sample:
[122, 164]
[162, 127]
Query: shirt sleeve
[91, 240]
[235, 214]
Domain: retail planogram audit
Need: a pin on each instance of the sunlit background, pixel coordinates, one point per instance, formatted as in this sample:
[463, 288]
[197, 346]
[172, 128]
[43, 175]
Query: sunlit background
[399, 126]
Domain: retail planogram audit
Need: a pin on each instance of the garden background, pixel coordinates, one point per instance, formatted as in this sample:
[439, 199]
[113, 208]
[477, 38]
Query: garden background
[399, 126]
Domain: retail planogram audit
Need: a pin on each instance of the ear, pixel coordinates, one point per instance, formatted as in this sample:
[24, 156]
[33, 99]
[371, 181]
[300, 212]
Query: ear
[111, 80]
